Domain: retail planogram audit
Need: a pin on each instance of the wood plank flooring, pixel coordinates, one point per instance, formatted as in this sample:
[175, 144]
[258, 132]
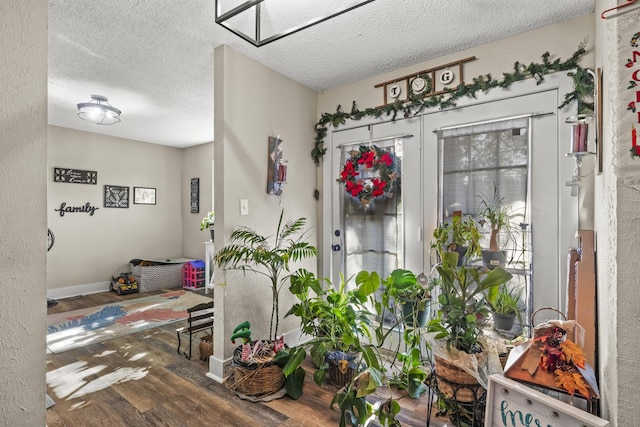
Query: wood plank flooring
[140, 380]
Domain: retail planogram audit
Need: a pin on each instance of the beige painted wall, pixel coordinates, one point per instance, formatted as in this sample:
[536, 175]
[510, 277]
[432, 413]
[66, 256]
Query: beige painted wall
[561, 40]
[23, 220]
[197, 162]
[253, 102]
[90, 249]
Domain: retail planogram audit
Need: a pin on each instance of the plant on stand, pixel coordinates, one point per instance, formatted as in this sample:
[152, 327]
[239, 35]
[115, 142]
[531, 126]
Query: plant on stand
[461, 235]
[505, 306]
[498, 215]
[457, 344]
[413, 295]
[251, 251]
[208, 223]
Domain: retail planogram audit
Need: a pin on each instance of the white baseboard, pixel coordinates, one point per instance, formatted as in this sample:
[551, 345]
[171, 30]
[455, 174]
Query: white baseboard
[216, 368]
[74, 291]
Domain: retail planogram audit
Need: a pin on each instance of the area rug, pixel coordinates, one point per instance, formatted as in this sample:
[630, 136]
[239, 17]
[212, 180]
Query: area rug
[78, 328]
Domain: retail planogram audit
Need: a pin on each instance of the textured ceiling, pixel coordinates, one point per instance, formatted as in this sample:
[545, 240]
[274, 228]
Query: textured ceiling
[154, 59]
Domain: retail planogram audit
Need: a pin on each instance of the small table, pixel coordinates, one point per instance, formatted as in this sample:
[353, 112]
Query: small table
[210, 250]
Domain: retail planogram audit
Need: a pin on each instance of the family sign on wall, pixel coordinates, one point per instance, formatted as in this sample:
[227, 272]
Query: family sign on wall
[114, 196]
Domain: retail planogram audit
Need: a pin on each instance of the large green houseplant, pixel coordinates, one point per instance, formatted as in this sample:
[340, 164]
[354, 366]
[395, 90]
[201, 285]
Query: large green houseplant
[461, 235]
[251, 251]
[340, 324]
[457, 332]
[336, 318]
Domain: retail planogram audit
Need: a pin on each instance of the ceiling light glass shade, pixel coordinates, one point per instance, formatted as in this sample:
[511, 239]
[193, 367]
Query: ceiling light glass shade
[98, 111]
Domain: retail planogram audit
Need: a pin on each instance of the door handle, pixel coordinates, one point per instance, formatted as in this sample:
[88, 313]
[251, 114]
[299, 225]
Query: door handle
[335, 248]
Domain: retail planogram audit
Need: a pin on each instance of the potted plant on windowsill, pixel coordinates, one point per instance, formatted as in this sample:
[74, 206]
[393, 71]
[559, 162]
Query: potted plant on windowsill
[497, 215]
[505, 307]
[461, 235]
[457, 343]
[208, 223]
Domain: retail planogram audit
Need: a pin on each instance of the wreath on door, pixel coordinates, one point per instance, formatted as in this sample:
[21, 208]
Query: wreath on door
[369, 173]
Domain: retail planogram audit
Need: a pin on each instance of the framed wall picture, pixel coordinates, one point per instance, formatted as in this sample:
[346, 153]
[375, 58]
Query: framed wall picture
[195, 195]
[144, 196]
[116, 196]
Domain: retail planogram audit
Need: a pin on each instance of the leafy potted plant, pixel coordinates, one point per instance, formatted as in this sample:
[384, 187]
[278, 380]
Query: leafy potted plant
[340, 324]
[208, 223]
[497, 215]
[338, 321]
[412, 293]
[251, 251]
[505, 307]
[461, 235]
[457, 343]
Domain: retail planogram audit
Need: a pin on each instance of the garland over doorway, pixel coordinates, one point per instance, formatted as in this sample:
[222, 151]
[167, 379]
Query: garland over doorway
[583, 90]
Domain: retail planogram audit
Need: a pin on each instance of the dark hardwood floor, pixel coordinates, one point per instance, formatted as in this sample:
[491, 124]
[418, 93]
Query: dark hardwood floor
[140, 380]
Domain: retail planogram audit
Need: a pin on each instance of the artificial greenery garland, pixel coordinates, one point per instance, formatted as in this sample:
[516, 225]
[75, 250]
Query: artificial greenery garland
[583, 88]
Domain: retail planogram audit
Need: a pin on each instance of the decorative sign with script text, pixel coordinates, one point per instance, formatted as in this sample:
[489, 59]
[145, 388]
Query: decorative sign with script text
[75, 176]
[511, 404]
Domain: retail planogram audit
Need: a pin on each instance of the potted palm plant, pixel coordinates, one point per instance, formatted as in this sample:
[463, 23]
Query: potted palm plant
[251, 251]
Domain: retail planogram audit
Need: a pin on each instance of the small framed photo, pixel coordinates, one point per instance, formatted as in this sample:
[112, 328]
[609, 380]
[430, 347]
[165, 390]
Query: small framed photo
[144, 196]
[116, 196]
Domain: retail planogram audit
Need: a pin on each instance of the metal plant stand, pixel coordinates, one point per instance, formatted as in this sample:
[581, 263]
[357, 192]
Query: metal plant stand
[462, 414]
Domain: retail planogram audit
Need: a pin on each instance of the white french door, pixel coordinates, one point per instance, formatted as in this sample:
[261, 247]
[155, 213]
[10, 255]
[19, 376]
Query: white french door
[350, 240]
[385, 233]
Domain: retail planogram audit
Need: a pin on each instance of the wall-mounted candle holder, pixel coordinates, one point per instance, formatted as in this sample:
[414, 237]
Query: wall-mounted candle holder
[277, 167]
[579, 147]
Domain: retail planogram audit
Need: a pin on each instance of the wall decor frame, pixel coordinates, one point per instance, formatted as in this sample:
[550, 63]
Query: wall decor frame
[75, 176]
[195, 195]
[144, 196]
[116, 196]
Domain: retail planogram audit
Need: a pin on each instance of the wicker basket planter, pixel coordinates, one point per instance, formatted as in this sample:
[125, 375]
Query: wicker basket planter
[262, 377]
[455, 383]
[340, 377]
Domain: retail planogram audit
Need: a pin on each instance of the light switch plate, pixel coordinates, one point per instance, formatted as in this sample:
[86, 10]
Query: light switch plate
[244, 207]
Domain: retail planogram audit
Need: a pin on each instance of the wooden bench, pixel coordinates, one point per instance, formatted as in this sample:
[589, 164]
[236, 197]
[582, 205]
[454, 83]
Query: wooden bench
[200, 319]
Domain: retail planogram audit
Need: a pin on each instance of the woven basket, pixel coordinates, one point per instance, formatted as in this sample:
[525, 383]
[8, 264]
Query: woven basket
[206, 347]
[456, 383]
[259, 378]
[337, 377]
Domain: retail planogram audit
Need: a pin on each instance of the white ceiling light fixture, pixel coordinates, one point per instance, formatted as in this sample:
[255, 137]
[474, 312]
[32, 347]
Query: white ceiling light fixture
[242, 22]
[99, 111]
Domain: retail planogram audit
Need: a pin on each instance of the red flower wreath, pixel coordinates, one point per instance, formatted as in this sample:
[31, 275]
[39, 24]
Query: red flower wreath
[368, 173]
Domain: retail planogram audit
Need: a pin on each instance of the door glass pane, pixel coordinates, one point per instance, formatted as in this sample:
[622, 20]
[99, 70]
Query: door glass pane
[491, 160]
[373, 227]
